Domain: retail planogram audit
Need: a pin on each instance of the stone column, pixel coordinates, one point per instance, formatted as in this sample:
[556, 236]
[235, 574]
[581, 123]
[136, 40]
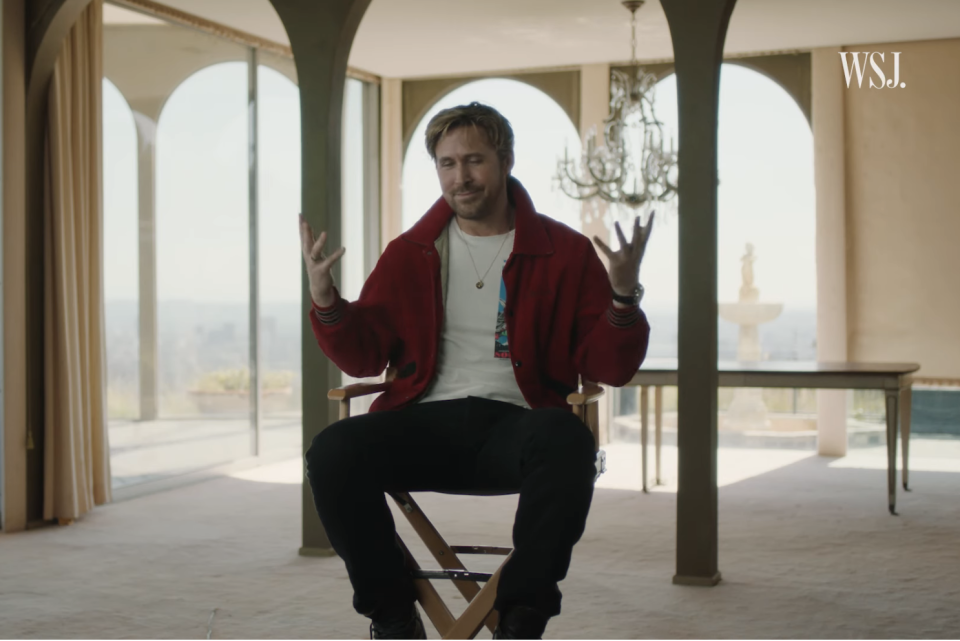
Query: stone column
[147, 258]
[830, 180]
[698, 29]
[321, 34]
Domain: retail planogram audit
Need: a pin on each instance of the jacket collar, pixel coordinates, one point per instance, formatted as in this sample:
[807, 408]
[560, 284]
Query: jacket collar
[531, 235]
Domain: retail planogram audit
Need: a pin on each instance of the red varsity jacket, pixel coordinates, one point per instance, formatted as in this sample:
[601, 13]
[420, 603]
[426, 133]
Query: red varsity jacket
[560, 317]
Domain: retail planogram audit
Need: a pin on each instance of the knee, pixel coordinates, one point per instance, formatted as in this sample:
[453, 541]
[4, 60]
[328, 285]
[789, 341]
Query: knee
[564, 438]
[330, 453]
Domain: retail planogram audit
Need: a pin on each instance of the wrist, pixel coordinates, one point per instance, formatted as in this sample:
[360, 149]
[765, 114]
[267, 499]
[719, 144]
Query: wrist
[628, 298]
[325, 300]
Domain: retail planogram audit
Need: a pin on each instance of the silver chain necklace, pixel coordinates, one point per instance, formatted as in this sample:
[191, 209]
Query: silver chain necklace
[469, 253]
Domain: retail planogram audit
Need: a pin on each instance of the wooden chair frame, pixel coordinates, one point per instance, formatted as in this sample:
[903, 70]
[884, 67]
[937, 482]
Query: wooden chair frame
[479, 610]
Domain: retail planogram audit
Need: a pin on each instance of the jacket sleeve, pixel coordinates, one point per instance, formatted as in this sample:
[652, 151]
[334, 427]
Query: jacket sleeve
[358, 336]
[611, 343]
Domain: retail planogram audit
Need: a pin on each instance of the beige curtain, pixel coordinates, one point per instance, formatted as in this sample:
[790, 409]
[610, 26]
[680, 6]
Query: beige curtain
[77, 455]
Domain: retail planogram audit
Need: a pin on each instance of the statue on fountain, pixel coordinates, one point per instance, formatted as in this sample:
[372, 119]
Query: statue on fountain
[748, 293]
[747, 410]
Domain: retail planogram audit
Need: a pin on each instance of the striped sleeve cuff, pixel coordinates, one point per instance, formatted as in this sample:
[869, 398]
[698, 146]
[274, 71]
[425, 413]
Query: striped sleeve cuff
[329, 315]
[623, 316]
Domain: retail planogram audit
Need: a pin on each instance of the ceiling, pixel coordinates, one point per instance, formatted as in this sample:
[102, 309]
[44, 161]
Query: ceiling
[415, 38]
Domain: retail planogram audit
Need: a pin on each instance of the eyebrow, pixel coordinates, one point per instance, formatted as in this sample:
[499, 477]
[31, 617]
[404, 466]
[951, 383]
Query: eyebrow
[466, 157]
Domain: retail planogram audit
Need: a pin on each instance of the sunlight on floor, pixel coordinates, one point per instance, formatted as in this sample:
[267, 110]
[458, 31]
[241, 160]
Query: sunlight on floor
[733, 465]
[926, 455]
[623, 467]
[289, 472]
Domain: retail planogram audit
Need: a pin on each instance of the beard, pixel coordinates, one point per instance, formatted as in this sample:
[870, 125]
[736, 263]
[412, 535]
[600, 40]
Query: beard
[477, 207]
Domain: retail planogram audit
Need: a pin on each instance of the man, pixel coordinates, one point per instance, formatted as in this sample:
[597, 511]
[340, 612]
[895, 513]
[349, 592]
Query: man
[489, 311]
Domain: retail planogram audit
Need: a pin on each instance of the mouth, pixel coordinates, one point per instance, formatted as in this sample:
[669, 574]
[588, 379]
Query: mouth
[467, 194]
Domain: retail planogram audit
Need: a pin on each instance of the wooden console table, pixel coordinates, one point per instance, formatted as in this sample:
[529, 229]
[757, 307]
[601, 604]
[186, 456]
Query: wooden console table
[892, 378]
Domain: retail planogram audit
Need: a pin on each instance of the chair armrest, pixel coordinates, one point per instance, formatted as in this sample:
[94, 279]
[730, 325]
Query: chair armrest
[587, 393]
[355, 390]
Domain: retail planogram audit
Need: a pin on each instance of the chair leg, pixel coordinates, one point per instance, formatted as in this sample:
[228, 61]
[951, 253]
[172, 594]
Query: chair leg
[443, 553]
[434, 607]
[472, 619]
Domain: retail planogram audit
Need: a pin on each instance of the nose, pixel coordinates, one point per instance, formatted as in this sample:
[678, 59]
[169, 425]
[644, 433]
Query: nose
[463, 175]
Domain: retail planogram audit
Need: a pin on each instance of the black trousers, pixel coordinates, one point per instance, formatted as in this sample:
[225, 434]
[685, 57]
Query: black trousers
[471, 444]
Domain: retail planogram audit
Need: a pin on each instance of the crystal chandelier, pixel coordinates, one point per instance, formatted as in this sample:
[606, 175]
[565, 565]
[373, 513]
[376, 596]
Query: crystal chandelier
[632, 168]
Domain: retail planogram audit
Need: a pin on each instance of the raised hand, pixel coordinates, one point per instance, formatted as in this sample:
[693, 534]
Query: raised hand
[625, 264]
[319, 265]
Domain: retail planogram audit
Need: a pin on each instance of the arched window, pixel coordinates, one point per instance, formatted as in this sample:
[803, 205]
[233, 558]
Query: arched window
[766, 197]
[120, 255]
[541, 130]
[202, 232]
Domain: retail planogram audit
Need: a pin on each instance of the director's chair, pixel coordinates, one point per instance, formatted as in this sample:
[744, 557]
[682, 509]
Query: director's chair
[479, 610]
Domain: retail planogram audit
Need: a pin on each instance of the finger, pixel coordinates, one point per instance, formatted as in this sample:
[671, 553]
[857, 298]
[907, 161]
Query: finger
[620, 236]
[316, 252]
[648, 228]
[332, 259]
[603, 247]
[306, 237]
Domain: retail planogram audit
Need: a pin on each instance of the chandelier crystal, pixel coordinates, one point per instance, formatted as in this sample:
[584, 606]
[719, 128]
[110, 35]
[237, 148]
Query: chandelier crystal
[633, 168]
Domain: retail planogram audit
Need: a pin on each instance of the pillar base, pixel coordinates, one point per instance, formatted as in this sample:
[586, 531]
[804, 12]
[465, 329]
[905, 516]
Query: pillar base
[322, 552]
[702, 581]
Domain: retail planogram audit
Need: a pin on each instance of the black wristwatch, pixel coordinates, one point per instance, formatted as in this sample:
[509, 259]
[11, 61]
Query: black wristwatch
[633, 299]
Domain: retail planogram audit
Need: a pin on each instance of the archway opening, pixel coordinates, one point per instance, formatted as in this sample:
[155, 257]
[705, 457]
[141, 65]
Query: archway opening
[542, 130]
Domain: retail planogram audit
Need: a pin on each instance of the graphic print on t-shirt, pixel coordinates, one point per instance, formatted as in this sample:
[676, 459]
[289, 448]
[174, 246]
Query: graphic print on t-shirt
[501, 348]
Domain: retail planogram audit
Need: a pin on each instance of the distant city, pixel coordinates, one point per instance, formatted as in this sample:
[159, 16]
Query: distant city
[196, 339]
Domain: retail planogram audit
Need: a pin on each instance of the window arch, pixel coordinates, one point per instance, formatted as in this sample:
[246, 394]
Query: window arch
[541, 129]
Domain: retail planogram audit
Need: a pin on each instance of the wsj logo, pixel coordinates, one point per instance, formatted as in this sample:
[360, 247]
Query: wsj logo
[849, 68]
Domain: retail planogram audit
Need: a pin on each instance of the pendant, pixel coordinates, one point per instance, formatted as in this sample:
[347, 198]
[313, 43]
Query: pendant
[479, 284]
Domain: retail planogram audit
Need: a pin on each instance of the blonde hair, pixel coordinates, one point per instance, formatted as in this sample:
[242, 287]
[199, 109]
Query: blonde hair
[491, 122]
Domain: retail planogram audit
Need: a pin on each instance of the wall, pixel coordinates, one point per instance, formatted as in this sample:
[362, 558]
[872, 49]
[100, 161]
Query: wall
[903, 211]
[14, 509]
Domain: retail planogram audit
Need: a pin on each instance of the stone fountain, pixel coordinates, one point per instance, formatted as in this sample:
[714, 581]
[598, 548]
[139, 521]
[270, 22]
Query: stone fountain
[747, 410]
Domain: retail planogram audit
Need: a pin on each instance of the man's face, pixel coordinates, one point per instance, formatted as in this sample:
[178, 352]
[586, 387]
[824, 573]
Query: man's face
[471, 176]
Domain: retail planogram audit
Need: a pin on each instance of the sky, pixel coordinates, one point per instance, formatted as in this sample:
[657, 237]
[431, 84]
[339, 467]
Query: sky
[766, 192]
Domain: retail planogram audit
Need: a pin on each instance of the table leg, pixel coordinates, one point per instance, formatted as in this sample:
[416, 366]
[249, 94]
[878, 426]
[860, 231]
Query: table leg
[906, 403]
[644, 407]
[658, 432]
[893, 415]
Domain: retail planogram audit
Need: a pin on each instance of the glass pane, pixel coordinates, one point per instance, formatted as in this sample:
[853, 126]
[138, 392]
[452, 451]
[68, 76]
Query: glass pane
[355, 224]
[203, 245]
[120, 256]
[766, 187]
[281, 263]
[188, 94]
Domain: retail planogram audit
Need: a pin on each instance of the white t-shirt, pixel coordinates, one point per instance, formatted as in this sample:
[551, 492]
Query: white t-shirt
[474, 358]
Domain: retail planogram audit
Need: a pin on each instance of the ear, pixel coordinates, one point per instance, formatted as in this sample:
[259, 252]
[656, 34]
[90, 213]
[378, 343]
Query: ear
[508, 164]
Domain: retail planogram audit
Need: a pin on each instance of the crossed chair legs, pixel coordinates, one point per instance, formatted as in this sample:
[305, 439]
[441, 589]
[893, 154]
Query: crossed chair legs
[480, 600]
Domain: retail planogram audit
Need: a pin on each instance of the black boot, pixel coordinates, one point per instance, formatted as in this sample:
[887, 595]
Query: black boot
[521, 622]
[403, 624]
